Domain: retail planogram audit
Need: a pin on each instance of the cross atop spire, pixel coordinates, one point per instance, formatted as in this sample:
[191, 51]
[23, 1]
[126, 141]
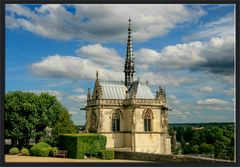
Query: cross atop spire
[129, 62]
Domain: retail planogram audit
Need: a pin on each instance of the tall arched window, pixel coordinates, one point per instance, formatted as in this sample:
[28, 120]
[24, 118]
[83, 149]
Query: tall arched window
[116, 121]
[147, 117]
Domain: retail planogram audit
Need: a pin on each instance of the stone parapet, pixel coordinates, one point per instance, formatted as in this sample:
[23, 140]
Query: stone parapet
[104, 102]
[152, 102]
[166, 158]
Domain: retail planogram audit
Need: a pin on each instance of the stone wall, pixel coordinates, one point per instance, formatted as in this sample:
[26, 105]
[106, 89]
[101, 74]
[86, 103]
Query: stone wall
[163, 158]
[114, 140]
[148, 142]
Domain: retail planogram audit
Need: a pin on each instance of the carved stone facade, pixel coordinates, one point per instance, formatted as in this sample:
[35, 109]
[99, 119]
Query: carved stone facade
[128, 114]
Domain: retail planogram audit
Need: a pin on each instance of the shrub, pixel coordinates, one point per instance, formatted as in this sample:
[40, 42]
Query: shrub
[14, 151]
[24, 151]
[106, 154]
[52, 151]
[80, 144]
[40, 149]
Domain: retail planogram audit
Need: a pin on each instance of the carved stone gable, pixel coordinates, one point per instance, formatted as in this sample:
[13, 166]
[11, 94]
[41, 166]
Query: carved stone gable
[97, 91]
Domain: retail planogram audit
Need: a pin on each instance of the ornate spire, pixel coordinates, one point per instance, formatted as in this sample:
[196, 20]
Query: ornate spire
[129, 63]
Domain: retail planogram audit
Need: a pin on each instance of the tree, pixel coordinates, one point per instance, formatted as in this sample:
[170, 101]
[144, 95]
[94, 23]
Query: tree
[214, 138]
[195, 149]
[28, 114]
[63, 126]
[20, 115]
[206, 148]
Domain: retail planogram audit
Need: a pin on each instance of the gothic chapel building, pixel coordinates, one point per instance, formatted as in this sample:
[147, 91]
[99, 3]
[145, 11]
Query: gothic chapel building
[128, 113]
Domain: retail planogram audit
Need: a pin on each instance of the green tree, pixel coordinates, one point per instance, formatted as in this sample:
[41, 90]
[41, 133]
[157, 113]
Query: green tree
[206, 148]
[64, 125]
[195, 149]
[20, 116]
[216, 138]
[28, 114]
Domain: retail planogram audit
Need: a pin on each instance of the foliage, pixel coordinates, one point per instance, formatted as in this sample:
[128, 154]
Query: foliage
[52, 151]
[40, 149]
[14, 151]
[63, 126]
[20, 114]
[206, 148]
[28, 114]
[107, 154]
[80, 144]
[24, 151]
[212, 138]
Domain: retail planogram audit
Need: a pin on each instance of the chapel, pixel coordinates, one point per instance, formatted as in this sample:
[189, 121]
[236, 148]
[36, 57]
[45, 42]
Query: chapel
[128, 113]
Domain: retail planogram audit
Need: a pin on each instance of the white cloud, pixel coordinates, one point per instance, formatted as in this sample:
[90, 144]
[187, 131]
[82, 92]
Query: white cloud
[214, 104]
[107, 57]
[215, 55]
[229, 92]
[78, 98]
[175, 56]
[166, 79]
[212, 101]
[72, 67]
[180, 115]
[228, 79]
[79, 90]
[173, 99]
[58, 94]
[224, 26]
[100, 22]
[206, 89]
[73, 112]
[58, 84]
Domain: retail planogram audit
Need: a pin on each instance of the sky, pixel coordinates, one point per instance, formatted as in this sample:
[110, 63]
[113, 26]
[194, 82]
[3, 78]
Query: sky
[189, 50]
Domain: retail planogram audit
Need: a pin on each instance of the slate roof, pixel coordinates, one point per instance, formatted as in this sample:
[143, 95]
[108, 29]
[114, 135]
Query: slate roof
[117, 90]
[140, 91]
[113, 89]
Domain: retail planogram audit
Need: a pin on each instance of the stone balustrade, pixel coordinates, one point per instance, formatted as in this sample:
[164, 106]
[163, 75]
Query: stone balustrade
[125, 102]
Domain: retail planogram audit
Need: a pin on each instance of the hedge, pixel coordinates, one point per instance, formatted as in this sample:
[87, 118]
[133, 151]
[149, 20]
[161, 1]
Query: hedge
[78, 145]
[106, 154]
[40, 149]
[14, 151]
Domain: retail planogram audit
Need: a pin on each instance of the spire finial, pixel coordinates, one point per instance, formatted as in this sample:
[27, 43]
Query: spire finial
[97, 74]
[129, 25]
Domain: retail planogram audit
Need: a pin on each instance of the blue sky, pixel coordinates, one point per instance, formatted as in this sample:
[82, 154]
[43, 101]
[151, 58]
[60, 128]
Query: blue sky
[187, 49]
